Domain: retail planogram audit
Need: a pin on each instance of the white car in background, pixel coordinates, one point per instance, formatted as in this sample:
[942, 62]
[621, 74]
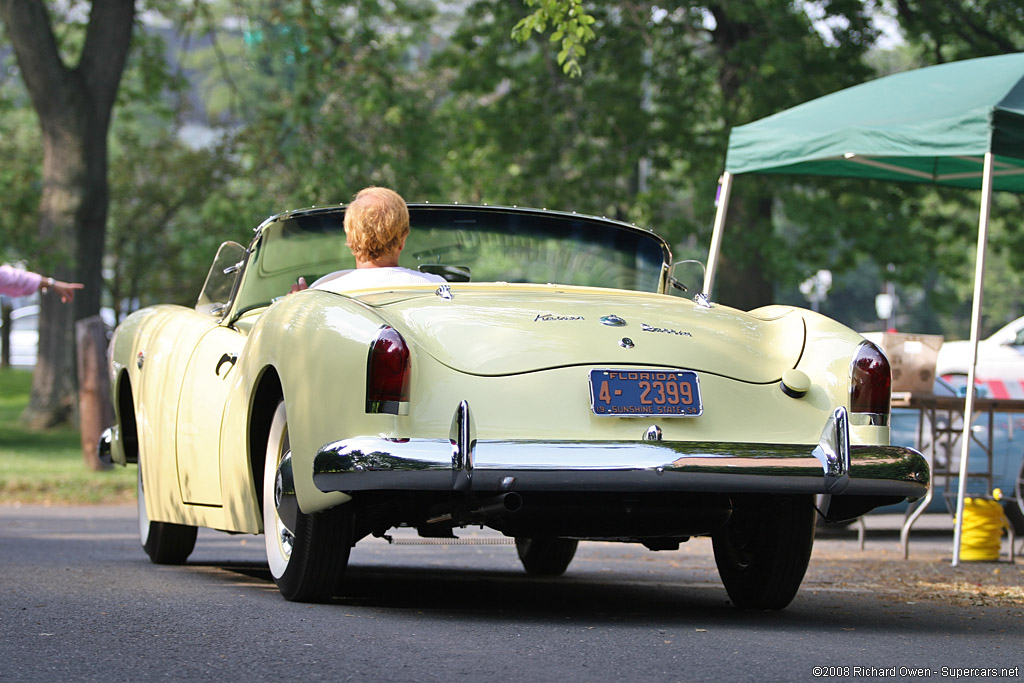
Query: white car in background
[25, 334]
[1000, 361]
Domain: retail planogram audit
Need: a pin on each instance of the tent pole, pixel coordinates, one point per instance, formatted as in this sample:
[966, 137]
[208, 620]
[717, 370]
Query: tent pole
[979, 272]
[725, 188]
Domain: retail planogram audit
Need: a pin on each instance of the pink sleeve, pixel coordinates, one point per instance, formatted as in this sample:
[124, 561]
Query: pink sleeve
[15, 282]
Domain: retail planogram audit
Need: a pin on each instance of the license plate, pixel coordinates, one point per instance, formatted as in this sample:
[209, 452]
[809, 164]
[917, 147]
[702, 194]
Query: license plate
[636, 393]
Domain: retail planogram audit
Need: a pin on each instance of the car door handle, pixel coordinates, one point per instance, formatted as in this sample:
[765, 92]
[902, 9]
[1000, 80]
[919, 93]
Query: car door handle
[228, 358]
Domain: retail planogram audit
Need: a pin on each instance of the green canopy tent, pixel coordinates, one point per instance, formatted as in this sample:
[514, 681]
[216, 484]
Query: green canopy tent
[959, 125]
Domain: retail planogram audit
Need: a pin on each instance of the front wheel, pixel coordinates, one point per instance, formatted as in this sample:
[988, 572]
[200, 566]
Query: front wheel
[165, 543]
[308, 554]
[546, 556]
[763, 551]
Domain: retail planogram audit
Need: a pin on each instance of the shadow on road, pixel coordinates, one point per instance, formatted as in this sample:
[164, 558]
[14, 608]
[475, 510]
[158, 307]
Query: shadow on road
[621, 599]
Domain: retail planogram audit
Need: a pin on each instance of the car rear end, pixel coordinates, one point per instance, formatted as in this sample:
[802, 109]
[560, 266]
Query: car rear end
[524, 393]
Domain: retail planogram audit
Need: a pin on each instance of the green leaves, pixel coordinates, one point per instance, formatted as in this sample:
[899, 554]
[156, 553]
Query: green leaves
[332, 97]
[572, 29]
[611, 108]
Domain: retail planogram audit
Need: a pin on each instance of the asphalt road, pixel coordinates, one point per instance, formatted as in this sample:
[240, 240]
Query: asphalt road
[79, 600]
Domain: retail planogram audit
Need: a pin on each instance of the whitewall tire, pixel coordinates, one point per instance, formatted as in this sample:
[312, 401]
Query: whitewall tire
[307, 561]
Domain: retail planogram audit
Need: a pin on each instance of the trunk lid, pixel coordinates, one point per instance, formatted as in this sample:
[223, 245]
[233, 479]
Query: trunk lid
[511, 329]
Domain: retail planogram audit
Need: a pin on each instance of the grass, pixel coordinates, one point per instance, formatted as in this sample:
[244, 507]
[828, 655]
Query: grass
[46, 467]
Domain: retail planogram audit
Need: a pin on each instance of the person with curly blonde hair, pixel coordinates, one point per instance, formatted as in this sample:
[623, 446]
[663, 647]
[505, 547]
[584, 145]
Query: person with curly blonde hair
[376, 227]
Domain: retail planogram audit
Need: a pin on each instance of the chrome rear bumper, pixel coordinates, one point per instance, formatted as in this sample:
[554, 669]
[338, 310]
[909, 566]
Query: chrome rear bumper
[465, 464]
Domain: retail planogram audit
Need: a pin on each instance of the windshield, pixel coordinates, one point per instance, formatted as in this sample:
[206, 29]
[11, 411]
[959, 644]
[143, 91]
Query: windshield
[464, 244]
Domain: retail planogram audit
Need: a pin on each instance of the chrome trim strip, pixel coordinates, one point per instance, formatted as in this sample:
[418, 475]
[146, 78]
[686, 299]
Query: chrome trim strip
[389, 407]
[869, 419]
[373, 463]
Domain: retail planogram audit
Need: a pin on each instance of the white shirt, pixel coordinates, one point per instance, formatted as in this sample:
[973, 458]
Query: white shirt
[364, 278]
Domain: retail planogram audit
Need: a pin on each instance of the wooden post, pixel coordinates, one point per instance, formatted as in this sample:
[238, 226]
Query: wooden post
[94, 408]
[5, 332]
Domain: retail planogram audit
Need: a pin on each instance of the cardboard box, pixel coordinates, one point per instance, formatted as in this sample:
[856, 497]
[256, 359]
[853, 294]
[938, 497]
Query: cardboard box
[912, 359]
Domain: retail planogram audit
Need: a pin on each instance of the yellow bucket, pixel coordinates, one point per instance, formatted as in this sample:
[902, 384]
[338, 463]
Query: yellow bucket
[982, 532]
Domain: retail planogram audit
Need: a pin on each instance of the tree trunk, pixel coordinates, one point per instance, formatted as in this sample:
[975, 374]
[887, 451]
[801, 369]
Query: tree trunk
[69, 194]
[74, 108]
[73, 215]
[743, 279]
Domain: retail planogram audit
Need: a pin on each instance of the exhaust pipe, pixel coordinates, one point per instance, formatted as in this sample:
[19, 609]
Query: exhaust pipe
[499, 505]
[480, 511]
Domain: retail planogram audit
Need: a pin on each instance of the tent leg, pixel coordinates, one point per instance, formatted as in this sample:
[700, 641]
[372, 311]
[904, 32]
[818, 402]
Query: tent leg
[979, 272]
[725, 189]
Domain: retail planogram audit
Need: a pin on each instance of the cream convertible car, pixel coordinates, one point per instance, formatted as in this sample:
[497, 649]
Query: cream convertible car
[551, 390]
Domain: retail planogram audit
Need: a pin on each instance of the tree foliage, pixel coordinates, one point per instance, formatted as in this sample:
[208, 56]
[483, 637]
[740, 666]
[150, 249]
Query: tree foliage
[572, 29]
[20, 174]
[695, 70]
[323, 98]
[742, 61]
[616, 108]
[948, 31]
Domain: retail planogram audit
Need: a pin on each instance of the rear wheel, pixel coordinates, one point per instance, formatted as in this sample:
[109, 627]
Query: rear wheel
[308, 553]
[546, 556]
[763, 551]
[165, 543]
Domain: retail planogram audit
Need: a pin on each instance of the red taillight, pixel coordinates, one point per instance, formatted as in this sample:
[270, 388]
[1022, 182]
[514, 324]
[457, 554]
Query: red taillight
[387, 374]
[870, 381]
